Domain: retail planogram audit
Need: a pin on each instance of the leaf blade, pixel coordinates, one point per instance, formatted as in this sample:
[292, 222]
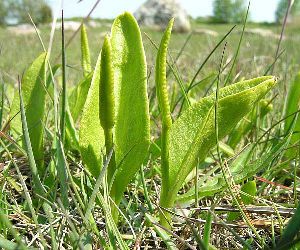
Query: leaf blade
[34, 95]
[235, 101]
[132, 128]
[91, 134]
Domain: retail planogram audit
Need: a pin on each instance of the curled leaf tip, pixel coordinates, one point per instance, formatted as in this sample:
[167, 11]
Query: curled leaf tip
[127, 15]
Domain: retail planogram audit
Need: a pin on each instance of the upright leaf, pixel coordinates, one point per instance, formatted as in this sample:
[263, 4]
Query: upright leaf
[292, 105]
[39, 188]
[61, 166]
[193, 133]
[132, 128]
[78, 96]
[33, 89]
[72, 140]
[91, 135]
[2, 104]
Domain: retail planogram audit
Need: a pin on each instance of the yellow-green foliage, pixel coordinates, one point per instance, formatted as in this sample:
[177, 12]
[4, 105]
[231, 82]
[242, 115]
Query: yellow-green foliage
[34, 93]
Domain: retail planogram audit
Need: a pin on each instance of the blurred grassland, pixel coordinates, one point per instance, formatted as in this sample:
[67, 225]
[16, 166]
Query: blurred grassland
[257, 51]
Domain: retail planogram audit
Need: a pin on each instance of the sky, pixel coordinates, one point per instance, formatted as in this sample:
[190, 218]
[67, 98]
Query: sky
[260, 10]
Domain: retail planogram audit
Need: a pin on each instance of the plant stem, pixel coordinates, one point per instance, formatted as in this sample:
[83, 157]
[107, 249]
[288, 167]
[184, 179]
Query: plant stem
[165, 217]
[108, 146]
[163, 101]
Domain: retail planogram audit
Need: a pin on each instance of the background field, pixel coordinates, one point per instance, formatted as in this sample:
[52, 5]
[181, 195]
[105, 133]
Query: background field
[257, 51]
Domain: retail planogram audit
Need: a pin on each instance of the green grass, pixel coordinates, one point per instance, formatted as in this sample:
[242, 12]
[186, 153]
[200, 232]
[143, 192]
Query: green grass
[66, 206]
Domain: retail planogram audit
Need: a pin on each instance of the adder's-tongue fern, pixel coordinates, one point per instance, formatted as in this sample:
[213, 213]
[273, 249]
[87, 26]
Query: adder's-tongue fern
[163, 101]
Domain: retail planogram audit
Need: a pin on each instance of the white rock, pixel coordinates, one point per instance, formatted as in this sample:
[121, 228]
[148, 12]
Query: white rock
[93, 24]
[157, 13]
[22, 29]
[206, 32]
[68, 25]
[262, 32]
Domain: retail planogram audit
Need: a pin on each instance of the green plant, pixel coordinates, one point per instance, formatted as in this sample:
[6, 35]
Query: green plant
[68, 202]
[45, 14]
[116, 111]
[192, 135]
[227, 11]
[3, 12]
[34, 94]
[282, 7]
[291, 108]
[39, 10]
[222, 11]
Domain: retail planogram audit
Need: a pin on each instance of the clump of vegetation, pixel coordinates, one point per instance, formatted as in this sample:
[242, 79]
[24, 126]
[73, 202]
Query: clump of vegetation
[18, 11]
[229, 11]
[117, 161]
[282, 8]
[3, 13]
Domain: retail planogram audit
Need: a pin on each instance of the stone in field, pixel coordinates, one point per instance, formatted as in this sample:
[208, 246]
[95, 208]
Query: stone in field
[157, 13]
[206, 32]
[262, 32]
[68, 25]
[22, 29]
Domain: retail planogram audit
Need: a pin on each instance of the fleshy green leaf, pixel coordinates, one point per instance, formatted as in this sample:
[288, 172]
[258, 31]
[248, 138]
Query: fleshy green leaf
[78, 97]
[132, 128]
[91, 135]
[247, 124]
[248, 188]
[33, 89]
[292, 106]
[72, 140]
[241, 168]
[193, 133]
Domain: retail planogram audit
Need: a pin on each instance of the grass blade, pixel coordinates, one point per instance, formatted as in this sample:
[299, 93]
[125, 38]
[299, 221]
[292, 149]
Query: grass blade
[1, 104]
[204, 62]
[238, 48]
[64, 83]
[34, 94]
[61, 166]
